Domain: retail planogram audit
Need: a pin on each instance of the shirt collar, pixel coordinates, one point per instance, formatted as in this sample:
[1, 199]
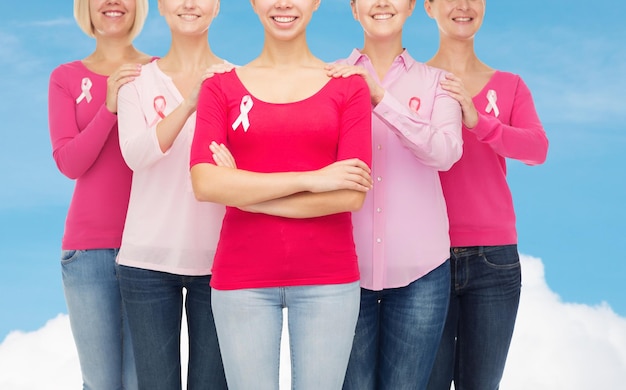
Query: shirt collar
[404, 59]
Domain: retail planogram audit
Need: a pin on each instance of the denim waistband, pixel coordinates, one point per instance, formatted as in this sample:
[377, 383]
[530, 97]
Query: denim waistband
[475, 250]
[466, 250]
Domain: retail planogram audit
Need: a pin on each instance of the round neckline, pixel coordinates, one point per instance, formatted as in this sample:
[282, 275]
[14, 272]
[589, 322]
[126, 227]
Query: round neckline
[312, 96]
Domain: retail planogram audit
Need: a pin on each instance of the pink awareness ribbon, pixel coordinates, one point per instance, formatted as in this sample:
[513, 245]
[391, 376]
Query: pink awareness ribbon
[492, 98]
[159, 104]
[244, 109]
[85, 86]
[415, 103]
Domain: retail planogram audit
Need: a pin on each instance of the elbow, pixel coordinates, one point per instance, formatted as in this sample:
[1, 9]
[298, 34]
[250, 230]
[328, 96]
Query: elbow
[201, 192]
[454, 158]
[203, 185]
[542, 153]
[450, 157]
[66, 170]
[355, 201]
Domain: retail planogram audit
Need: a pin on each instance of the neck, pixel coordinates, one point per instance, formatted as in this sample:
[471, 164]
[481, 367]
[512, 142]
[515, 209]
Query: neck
[188, 54]
[382, 53]
[114, 50]
[456, 56]
[285, 54]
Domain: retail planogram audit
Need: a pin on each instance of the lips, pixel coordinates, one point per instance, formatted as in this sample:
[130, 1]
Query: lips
[113, 14]
[284, 19]
[382, 16]
[189, 17]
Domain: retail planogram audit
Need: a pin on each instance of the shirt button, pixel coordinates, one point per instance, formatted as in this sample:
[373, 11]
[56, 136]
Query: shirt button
[378, 210]
[379, 178]
[379, 147]
[379, 240]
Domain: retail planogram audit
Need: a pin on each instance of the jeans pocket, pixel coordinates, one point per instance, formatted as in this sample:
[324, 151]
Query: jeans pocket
[68, 256]
[502, 257]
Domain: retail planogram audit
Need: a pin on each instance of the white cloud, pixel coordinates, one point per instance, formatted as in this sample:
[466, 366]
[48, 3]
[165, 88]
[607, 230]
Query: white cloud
[557, 345]
[560, 345]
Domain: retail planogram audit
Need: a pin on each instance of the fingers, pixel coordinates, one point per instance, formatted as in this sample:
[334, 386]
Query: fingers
[339, 70]
[353, 174]
[217, 69]
[222, 156]
[124, 74]
[355, 162]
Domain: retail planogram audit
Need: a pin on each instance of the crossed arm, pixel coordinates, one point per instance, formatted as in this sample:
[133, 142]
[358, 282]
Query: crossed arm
[338, 187]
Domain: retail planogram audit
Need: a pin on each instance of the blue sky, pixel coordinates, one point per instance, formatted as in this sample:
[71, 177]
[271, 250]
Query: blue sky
[570, 210]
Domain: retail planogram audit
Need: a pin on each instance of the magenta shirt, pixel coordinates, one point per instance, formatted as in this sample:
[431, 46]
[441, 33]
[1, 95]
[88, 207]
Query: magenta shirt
[258, 250]
[85, 147]
[480, 206]
[401, 233]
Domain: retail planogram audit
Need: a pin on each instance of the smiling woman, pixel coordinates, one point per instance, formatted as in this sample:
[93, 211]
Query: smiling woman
[83, 129]
[302, 146]
[499, 122]
[401, 233]
[169, 239]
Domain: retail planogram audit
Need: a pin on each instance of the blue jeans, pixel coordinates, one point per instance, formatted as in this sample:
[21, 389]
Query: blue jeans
[321, 321]
[97, 318]
[154, 303]
[486, 284]
[398, 334]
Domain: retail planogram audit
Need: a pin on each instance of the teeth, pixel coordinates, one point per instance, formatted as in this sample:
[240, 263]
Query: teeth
[113, 14]
[462, 19]
[382, 16]
[284, 19]
[189, 17]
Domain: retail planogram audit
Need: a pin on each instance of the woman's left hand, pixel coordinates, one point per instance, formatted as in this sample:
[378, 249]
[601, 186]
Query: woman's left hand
[340, 70]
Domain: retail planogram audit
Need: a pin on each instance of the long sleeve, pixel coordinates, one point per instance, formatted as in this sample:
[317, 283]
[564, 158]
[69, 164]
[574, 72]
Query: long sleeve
[138, 139]
[74, 149]
[524, 138]
[436, 142]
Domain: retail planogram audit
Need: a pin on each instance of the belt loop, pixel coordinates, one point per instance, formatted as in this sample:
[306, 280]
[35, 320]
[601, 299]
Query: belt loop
[481, 250]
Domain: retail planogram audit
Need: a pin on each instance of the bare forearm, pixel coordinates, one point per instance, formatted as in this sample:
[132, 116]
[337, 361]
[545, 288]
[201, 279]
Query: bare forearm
[240, 188]
[310, 205]
[168, 129]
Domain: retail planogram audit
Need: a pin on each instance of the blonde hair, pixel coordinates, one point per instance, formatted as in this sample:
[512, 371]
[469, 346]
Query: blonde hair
[83, 17]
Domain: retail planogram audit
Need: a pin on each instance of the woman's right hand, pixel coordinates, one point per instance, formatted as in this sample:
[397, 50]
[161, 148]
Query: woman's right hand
[222, 156]
[192, 99]
[352, 174]
[122, 75]
[455, 88]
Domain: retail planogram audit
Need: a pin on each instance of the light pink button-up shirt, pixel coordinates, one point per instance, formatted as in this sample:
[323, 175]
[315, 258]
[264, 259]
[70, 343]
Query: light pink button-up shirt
[401, 233]
[166, 228]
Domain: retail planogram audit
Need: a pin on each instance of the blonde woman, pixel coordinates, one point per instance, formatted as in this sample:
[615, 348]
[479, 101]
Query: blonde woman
[170, 238]
[83, 130]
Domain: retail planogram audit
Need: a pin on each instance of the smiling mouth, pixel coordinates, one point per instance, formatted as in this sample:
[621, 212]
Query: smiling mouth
[465, 19]
[284, 19]
[188, 17]
[382, 16]
[113, 14]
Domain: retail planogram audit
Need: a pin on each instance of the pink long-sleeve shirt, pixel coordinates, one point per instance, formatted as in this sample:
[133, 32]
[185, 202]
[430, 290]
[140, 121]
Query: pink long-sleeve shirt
[167, 229]
[85, 147]
[480, 206]
[401, 233]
